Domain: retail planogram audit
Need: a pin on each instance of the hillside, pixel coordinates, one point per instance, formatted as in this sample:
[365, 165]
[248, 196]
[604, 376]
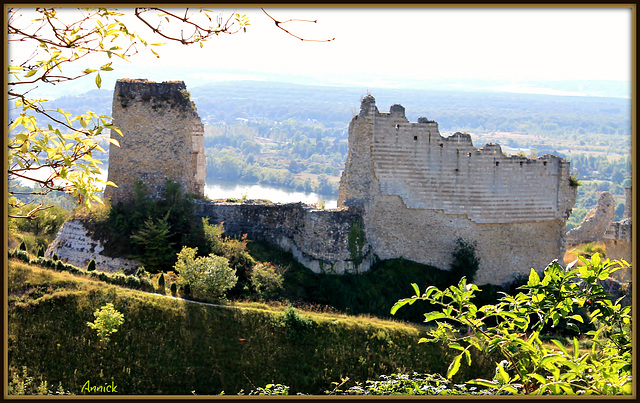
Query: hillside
[173, 346]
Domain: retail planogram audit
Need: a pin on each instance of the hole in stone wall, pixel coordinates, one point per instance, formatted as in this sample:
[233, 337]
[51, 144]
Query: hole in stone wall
[468, 154]
[440, 145]
[415, 138]
[497, 163]
[544, 163]
[397, 127]
[521, 163]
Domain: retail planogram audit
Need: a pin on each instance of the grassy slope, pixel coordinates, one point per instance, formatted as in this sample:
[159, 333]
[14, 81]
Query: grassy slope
[173, 346]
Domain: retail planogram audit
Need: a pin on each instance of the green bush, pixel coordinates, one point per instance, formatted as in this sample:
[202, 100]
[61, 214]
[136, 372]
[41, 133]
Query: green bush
[465, 262]
[174, 289]
[92, 265]
[266, 281]
[22, 384]
[209, 278]
[161, 287]
[107, 321]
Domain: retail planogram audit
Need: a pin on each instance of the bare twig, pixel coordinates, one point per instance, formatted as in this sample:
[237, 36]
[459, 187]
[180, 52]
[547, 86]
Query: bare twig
[280, 23]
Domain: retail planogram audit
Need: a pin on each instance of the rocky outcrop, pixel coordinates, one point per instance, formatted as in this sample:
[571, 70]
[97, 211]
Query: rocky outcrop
[595, 223]
[74, 245]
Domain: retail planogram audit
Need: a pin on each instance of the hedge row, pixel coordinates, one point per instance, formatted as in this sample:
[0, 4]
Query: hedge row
[134, 282]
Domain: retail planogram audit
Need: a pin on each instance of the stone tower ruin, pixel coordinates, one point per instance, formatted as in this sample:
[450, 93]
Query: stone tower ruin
[162, 139]
[419, 193]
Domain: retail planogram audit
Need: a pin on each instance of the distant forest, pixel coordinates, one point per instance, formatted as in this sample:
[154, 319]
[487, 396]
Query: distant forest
[295, 136]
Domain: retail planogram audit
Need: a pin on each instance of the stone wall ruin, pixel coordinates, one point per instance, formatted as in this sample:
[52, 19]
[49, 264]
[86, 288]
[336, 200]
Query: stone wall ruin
[162, 139]
[406, 191]
[419, 192]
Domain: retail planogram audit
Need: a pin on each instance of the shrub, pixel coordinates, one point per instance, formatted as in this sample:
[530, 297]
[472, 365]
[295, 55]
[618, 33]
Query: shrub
[23, 384]
[513, 327]
[155, 249]
[142, 272]
[92, 265]
[174, 289]
[108, 319]
[465, 262]
[266, 281]
[208, 277]
[161, 283]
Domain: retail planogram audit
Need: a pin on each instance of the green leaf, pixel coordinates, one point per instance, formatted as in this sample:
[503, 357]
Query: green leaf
[416, 289]
[98, 80]
[456, 346]
[31, 73]
[577, 318]
[484, 382]
[454, 366]
[560, 345]
[429, 316]
[534, 279]
[467, 354]
[503, 377]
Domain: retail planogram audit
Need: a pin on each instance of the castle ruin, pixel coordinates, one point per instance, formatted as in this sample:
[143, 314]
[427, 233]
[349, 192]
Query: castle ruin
[420, 192]
[406, 191]
[162, 139]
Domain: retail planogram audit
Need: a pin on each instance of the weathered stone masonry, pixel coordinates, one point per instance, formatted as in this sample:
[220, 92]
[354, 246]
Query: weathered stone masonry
[163, 139]
[319, 239]
[418, 192]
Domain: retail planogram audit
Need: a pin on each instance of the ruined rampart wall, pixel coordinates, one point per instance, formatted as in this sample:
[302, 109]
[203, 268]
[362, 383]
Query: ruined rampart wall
[428, 171]
[162, 139]
[420, 192]
[319, 239]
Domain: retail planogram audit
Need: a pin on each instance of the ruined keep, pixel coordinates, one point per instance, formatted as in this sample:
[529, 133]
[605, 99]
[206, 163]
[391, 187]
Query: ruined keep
[406, 191]
[162, 139]
[419, 192]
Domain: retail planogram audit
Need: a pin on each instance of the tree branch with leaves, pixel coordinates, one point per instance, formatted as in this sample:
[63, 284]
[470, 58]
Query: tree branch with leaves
[59, 156]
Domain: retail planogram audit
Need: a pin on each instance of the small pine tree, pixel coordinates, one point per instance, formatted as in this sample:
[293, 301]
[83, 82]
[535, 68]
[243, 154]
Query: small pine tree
[186, 290]
[23, 246]
[55, 257]
[92, 265]
[161, 282]
[174, 289]
[40, 251]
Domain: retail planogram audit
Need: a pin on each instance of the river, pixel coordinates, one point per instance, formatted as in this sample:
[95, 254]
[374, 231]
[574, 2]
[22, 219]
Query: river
[223, 190]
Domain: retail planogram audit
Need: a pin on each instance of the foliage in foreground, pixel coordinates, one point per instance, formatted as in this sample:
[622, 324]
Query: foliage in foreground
[204, 348]
[512, 328]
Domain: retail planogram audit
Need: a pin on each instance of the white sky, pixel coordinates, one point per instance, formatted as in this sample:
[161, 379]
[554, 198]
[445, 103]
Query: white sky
[379, 46]
[440, 43]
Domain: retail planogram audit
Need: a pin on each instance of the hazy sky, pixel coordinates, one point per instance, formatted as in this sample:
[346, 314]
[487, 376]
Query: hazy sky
[387, 47]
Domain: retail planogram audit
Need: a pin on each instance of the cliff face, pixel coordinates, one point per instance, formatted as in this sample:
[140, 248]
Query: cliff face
[162, 139]
[74, 245]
